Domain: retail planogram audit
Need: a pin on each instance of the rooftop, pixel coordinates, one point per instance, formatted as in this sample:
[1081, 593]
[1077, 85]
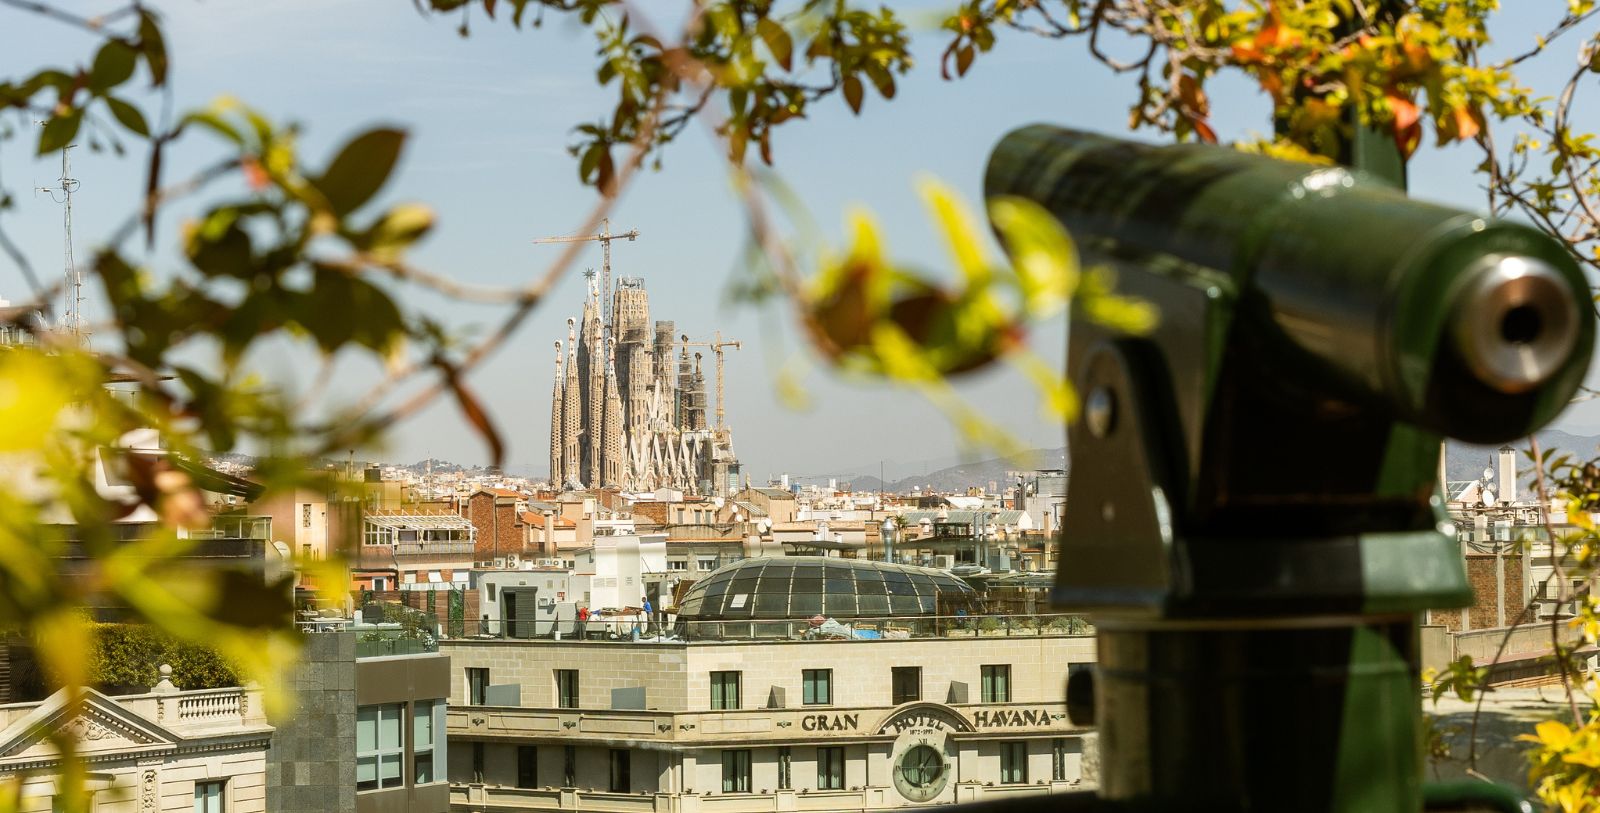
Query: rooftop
[800, 587]
[426, 521]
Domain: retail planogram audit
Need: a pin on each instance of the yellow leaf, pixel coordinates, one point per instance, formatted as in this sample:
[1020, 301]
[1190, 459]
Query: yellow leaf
[1041, 251]
[959, 229]
[1554, 735]
[32, 394]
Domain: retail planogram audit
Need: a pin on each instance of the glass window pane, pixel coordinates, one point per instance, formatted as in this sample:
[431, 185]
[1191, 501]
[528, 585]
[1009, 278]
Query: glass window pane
[389, 769]
[422, 725]
[841, 605]
[389, 727]
[367, 728]
[805, 605]
[807, 585]
[773, 604]
[840, 583]
[871, 588]
[366, 772]
[904, 605]
[424, 763]
[902, 588]
[873, 605]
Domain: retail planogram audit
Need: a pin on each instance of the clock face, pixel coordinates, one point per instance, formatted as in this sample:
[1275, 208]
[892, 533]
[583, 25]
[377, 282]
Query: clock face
[922, 773]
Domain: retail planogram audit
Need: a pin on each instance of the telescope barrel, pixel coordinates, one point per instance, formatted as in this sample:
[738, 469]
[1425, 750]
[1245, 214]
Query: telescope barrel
[1470, 327]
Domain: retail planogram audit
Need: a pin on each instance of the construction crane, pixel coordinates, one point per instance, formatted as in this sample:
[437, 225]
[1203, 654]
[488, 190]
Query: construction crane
[716, 345]
[604, 238]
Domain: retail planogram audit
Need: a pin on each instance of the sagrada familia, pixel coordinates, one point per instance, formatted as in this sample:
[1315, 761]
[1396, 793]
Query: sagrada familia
[620, 416]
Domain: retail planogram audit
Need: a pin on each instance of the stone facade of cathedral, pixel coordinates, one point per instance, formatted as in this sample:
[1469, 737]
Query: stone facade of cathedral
[628, 404]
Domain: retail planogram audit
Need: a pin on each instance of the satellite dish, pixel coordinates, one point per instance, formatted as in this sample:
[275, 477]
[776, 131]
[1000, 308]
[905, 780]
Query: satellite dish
[1488, 497]
[1488, 473]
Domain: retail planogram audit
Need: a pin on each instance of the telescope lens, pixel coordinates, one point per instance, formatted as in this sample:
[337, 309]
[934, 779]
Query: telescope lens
[1516, 323]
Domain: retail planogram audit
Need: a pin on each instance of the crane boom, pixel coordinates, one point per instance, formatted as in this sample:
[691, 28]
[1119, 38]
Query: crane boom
[716, 345]
[604, 238]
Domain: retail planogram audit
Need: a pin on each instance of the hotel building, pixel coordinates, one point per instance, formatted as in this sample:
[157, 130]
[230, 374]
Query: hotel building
[790, 683]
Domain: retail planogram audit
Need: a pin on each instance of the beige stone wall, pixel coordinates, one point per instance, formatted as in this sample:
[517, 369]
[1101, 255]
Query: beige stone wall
[678, 677]
[122, 786]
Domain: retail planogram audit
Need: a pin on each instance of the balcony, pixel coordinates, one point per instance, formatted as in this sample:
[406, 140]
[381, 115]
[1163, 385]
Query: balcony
[751, 726]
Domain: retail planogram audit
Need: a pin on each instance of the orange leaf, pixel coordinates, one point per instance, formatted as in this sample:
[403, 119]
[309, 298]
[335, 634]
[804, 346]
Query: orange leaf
[1466, 123]
[1405, 111]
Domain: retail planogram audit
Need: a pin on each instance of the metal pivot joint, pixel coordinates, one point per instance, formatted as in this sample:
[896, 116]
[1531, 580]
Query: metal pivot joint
[1251, 519]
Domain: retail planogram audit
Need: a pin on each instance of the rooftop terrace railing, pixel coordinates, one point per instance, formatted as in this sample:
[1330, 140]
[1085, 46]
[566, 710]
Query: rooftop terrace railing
[633, 628]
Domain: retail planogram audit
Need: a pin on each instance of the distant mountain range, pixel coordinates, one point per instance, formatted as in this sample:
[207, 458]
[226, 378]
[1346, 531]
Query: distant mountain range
[1467, 462]
[1462, 462]
[964, 475]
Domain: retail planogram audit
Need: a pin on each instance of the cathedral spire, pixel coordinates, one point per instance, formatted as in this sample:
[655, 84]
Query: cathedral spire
[571, 411]
[557, 477]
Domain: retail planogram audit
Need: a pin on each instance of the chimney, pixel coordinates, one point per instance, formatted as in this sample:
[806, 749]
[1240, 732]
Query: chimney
[549, 533]
[1506, 477]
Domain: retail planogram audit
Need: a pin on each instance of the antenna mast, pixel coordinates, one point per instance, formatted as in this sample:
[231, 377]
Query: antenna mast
[72, 323]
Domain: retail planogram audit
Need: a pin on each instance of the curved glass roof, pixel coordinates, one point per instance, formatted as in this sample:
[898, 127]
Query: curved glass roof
[805, 586]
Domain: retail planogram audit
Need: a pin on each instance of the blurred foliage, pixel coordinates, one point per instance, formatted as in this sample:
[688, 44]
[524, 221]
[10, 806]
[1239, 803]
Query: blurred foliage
[294, 252]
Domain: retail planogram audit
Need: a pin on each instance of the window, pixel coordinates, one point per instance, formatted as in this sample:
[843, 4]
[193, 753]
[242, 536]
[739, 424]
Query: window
[208, 797]
[527, 766]
[380, 746]
[477, 685]
[1014, 763]
[724, 691]
[1058, 759]
[305, 515]
[997, 684]
[816, 687]
[422, 742]
[907, 683]
[567, 688]
[621, 764]
[677, 564]
[735, 771]
[785, 778]
[830, 769]
[477, 762]
[704, 563]
[569, 768]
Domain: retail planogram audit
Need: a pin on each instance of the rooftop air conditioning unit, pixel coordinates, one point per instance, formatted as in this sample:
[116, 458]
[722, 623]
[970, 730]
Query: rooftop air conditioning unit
[500, 562]
[944, 561]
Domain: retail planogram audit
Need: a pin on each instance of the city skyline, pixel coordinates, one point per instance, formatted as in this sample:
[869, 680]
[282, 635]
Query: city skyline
[491, 117]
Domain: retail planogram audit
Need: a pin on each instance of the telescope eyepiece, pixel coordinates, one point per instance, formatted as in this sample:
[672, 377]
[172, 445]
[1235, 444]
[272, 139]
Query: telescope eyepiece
[1516, 322]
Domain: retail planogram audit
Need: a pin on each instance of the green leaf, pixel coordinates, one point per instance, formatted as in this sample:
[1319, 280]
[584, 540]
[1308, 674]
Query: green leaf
[341, 308]
[881, 79]
[154, 46]
[60, 131]
[398, 229]
[210, 120]
[128, 116]
[219, 246]
[360, 169]
[112, 66]
[778, 41]
[852, 93]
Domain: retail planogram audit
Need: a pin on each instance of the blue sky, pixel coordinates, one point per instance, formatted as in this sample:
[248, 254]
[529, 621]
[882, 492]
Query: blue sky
[491, 117]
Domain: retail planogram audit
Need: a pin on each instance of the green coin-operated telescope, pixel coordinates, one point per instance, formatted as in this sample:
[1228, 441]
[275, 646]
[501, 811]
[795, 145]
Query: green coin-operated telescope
[1253, 519]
